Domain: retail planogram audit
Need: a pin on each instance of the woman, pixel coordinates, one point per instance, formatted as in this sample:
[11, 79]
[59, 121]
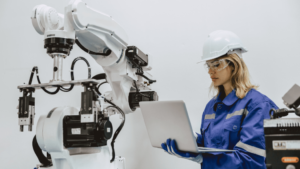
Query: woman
[233, 119]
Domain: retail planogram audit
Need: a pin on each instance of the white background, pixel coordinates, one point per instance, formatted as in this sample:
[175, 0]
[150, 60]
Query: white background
[172, 32]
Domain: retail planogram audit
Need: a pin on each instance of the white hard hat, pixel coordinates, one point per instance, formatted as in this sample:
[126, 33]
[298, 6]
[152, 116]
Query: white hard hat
[222, 42]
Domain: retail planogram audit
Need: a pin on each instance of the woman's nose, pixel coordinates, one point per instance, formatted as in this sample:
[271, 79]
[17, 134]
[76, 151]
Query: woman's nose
[210, 71]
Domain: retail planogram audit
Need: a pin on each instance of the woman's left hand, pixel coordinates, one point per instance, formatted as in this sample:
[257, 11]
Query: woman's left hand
[171, 147]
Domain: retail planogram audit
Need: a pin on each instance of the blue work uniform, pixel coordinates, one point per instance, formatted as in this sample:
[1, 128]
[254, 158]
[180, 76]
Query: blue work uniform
[235, 124]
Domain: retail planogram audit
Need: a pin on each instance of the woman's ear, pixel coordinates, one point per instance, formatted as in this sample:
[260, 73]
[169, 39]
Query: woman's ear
[231, 67]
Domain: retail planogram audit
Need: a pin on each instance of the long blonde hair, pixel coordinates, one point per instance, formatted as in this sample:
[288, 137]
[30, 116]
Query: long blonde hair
[240, 78]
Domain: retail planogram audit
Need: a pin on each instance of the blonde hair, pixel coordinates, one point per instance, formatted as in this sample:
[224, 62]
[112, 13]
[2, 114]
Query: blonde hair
[240, 77]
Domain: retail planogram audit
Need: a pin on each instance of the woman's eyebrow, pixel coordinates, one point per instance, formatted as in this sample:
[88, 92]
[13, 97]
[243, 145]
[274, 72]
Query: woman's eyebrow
[212, 61]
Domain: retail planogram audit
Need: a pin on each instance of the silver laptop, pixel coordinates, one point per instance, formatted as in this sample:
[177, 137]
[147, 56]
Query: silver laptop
[169, 119]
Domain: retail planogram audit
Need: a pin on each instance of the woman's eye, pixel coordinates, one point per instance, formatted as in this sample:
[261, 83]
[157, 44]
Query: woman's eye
[217, 65]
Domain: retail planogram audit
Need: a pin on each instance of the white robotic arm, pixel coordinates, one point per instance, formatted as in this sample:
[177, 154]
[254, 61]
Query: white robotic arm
[95, 30]
[67, 131]
[98, 34]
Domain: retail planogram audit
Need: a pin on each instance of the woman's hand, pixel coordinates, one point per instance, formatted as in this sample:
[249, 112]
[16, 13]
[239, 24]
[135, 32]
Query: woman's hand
[171, 148]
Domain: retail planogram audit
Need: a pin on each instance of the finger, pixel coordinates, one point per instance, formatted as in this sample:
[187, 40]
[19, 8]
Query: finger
[175, 149]
[169, 146]
[183, 154]
[164, 146]
[191, 154]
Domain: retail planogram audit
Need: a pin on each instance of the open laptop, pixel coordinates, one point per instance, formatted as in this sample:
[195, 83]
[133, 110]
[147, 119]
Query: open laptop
[169, 119]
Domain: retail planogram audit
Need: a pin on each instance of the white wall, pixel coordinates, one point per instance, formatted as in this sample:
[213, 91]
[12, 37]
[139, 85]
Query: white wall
[172, 32]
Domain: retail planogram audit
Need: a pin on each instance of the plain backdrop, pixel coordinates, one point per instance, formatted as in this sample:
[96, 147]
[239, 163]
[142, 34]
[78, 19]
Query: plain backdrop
[172, 32]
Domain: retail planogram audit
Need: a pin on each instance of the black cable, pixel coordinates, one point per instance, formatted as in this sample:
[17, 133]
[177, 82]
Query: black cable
[66, 90]
[35, 68]
[97, 91]
[140, 72]
[97, 88]
[149, 80]
[60, 87]
[31, 75]
[72, 73]
[106, 51]
[136, 88]
[138, 91]
[118, 129]
[100, 76]
[45, 90]
[38, 152]
[73, 64]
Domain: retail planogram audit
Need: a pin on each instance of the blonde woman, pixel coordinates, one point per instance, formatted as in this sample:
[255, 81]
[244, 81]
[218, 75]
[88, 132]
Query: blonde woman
[233, 119]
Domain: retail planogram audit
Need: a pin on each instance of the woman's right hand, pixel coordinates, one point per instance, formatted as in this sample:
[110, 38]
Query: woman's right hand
[170, 146]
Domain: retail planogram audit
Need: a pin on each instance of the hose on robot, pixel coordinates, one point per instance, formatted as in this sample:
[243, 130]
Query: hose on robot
[118, 129]
[72, 73]
[46, 162]
[140, 72]
[106, 51]
[35, 69]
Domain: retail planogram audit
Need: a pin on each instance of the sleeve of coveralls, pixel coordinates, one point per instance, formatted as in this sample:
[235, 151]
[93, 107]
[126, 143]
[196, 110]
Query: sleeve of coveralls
[250, 149]
[199, 138]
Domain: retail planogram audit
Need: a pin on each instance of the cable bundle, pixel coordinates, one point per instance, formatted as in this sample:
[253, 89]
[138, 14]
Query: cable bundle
[35, 69]
[118, 129]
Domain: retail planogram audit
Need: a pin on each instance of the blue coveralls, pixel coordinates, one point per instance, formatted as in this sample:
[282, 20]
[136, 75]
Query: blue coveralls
[237, 124]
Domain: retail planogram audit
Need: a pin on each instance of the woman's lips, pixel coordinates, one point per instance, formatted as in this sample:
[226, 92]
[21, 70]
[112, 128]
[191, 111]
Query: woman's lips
[214, 79]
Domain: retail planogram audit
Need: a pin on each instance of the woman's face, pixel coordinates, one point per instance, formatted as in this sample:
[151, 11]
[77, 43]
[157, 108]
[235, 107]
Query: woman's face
[219, 75]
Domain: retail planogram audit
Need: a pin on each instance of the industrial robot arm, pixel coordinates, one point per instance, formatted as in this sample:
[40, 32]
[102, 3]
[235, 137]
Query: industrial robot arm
[126, 70]
[104, 39]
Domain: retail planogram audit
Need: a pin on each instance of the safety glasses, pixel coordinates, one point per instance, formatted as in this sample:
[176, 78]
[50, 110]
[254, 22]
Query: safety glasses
[217, 65]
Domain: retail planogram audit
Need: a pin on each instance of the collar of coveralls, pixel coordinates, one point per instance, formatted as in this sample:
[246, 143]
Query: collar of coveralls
[229, 100]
